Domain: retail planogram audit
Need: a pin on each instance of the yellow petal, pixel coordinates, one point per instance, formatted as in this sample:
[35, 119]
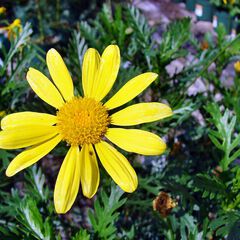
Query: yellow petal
[90, 67]
[107, 73]
[27, 118]
[44, 88]
[26, 136]
[90, 171]
[68, 180]
[60, 74]
[141, 113]
[138, 141]
[131, 89]
[117, 167]
[31, 155]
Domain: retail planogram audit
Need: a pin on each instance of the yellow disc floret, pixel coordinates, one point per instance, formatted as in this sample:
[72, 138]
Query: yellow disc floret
[82, 121]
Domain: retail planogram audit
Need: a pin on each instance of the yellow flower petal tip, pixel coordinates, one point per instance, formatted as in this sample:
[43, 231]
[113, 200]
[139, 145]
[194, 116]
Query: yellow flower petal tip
[9, 172]
[131, 89]
[68, 181]
[131, 187]
[137, 141]
[31, 155]
[141, 113]
[16, 22]
[44, 88]
[117, 166]
[107, 72]
[170, 111]
[52, 52]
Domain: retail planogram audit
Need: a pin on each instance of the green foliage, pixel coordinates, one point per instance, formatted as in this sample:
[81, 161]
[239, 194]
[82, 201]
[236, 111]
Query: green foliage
[104, 216]
[173, 40]
[223, 136]
[21, 53]
[17, 45]
[81, 235]
[227, 224]
[140, 27]
[77, 48]
[27, 211]
[36, 184]
[211, 186]
[32, 221]
[107, 28]
[189, 228]
[5, 156]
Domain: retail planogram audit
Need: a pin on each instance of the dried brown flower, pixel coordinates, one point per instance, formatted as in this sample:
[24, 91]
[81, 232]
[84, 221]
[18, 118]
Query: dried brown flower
[164, 204]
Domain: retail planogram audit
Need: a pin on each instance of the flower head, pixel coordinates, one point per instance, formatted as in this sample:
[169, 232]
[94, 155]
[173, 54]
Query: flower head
[2, 10]
[237, 66]
[86, 124]
[12, 28]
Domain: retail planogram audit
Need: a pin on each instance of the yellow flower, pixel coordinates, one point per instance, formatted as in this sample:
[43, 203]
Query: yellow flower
[2, 10]
[11, 29]
[2, 114]
[85, 123]
[237, 66]
[230, 1]
[164, 204]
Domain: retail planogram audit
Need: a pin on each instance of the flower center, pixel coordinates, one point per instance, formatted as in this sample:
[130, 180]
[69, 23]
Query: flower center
[82, 121]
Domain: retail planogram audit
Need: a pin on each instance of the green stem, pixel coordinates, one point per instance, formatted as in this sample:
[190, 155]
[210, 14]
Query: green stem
[39, 16]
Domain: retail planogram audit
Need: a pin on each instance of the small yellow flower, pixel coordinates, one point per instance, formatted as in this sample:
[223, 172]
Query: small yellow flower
[11, 29]
[2, 10]
[2, 114]
[237, 66]
[229, 1]
[86, 124]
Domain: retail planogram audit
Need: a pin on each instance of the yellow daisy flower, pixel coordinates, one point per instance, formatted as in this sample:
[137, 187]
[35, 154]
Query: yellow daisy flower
[2, 10]
[11, 29]
[237, 66]
[86, 124]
